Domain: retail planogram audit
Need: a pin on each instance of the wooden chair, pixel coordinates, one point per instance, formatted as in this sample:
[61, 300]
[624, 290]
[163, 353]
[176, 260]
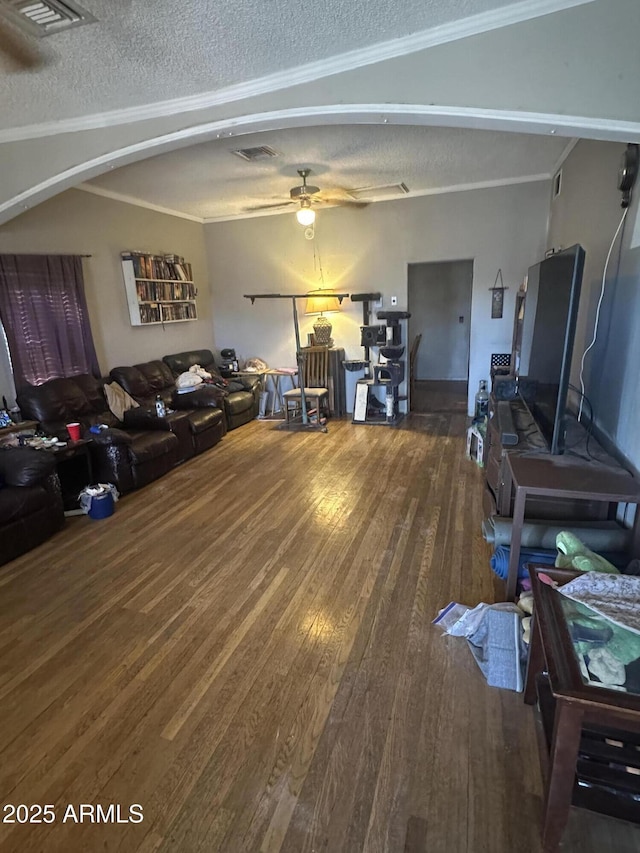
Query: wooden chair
[412, 367]
[315, 379]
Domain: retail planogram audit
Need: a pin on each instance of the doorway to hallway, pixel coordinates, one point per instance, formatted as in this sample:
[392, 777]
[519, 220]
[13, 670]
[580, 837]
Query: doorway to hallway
[439, 299]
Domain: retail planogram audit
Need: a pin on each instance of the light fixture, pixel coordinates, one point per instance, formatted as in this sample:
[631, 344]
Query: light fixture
[305, 215]
[322, 302]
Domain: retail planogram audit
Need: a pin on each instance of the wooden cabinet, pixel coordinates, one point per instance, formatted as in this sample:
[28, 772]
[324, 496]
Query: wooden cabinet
[159, 289]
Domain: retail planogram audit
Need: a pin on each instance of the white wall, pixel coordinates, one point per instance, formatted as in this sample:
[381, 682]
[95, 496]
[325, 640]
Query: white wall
[367, 250]
[588, 212]
[77, 222]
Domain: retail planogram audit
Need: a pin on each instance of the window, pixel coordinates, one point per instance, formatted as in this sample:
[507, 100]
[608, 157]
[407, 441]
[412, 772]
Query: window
[44, 313]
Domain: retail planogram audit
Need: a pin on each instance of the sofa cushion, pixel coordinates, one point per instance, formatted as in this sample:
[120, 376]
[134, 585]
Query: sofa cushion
[202, 419]
[158, 375]
[180, 362]
[119, 400]
[132, 380]
[17, 502]
[239, 402]
[150, 445]
[25, 466]
[60, 400]
[93, 390]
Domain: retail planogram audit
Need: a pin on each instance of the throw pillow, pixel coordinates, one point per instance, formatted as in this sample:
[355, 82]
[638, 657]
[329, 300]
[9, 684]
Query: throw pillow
[118, 400]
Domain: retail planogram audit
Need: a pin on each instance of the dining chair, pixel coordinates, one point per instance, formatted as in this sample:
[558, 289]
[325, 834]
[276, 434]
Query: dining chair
[315, 380]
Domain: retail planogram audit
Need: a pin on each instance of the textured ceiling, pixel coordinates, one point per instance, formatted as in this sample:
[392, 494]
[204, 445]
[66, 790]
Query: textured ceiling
[208, 181]
[144, 51]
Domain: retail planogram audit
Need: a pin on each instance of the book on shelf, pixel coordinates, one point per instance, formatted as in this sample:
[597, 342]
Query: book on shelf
[159, 267]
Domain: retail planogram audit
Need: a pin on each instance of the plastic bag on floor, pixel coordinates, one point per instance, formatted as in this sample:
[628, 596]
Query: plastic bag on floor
[462, 621]
[449, 616]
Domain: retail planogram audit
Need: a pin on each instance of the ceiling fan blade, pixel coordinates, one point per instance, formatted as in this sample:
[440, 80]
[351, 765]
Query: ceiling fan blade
[19, 52]
[281, 204]
[342, 201]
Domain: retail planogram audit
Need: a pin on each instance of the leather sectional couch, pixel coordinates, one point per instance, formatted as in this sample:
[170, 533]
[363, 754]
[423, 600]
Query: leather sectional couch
[242, 397]
[143, 447]
[128, 458]
[30, 500]
[198, 420]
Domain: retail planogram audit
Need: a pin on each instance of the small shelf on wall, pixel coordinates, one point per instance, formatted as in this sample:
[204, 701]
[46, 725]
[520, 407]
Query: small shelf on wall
[159, 288]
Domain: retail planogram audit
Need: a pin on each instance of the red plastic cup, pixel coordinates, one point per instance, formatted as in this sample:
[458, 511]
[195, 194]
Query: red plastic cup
[74, 431]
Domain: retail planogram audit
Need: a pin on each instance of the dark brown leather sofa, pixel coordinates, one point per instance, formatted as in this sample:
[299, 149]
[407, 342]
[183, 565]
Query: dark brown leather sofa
[30, 500]
[128, 458]
[198, 420]
[242, 399]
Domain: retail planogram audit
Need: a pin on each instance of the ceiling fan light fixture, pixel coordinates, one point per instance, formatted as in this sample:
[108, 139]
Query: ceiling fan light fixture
[305, 215]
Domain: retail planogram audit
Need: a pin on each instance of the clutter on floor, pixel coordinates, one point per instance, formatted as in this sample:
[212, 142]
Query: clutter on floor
[98, 501]
[601, 606]
[494, 635]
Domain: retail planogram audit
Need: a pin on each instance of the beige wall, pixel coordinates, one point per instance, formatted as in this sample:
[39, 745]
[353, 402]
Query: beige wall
[359, 251]
[77, 222]
[369, 249]
[588, 212]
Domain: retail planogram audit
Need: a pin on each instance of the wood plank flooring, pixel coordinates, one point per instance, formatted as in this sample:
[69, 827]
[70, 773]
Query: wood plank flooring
[431, 396]
[245, 649]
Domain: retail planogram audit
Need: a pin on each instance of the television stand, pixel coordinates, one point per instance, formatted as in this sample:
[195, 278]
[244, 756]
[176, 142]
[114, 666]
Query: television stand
[556, 477]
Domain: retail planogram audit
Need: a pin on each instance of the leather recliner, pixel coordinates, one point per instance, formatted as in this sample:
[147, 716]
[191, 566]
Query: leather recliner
[31, 507]
[242, 398]
[128, 458]
[197, 422]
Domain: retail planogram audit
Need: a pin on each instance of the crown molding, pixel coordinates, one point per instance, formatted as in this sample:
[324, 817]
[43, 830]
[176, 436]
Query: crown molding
[127, 199]
[445, 33]
[416, 114]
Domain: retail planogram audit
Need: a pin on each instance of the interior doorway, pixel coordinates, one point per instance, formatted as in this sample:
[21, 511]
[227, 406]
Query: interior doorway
[439, 299]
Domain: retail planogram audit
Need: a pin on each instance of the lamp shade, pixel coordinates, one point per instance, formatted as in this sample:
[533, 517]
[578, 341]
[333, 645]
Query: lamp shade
[321, 302]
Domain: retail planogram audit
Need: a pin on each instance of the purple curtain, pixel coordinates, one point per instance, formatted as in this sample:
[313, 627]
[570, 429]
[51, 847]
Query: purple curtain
[44, 313]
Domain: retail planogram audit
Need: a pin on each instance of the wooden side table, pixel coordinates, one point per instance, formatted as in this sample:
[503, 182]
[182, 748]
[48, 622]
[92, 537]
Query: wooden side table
[561, 477]
[569, 710]
[74, 471]
[6, 433]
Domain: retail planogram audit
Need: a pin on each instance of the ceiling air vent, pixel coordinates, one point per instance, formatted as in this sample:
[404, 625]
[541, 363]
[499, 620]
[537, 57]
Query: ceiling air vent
[384, 191]
[262, 152]
[44, 17]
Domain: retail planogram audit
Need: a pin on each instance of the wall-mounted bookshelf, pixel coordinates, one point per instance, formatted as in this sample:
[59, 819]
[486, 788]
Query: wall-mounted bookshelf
[159, 288]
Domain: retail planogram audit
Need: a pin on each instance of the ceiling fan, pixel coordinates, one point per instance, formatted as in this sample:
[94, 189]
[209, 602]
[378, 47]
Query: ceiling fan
[305, 196]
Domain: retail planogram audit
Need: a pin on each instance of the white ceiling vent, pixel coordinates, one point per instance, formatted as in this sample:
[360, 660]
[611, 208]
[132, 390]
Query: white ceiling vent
[44, 17]
[262, 152]
[384, 191]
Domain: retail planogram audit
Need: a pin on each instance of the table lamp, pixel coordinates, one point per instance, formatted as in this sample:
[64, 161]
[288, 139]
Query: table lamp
[322, 302]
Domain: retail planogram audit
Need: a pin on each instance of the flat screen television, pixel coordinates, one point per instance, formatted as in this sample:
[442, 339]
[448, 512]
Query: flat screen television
[548, 331]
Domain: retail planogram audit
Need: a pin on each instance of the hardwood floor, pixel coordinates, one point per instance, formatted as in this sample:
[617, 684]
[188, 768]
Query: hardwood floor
[245, 649]
[439, 396]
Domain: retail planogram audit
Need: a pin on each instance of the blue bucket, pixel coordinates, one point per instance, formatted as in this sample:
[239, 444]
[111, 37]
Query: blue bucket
[101, 506]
